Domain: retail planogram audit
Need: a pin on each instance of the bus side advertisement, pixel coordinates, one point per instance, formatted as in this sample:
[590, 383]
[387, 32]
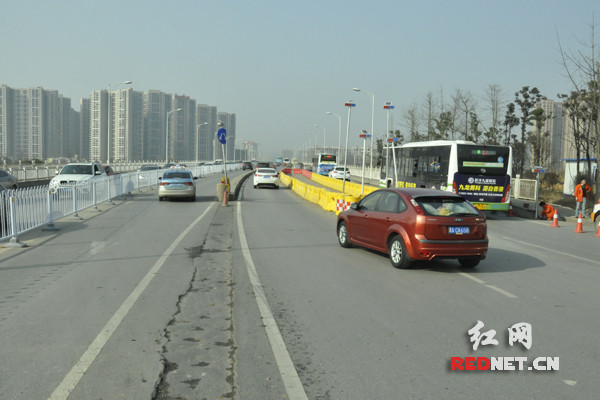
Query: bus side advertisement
[485, 192]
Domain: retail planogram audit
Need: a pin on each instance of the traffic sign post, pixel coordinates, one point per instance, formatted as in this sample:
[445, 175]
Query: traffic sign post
[222, 137]
[364, 135]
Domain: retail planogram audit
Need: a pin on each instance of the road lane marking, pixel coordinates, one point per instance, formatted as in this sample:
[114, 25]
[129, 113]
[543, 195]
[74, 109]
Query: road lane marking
[289, 375]
[494, 288]
[555, 251]
[74, 376]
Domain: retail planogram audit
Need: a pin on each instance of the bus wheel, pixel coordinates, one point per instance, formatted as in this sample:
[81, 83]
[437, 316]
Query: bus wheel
[343, 236]
[397, 251]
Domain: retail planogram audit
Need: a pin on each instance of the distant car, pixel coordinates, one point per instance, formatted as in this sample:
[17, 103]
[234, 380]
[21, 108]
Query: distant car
[108, 169]
[298, 166]
[338, 173]
[144, 174]
[177, 183]
[7, 180]
[77, 174]
[266, 177]
[247, 165]
[262, 164]
[416, 224]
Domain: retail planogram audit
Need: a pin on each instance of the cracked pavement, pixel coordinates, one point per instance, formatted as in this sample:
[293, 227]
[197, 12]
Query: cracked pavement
[198, 355]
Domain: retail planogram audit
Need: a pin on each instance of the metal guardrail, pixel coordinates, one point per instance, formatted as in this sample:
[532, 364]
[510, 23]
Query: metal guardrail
[25, 209]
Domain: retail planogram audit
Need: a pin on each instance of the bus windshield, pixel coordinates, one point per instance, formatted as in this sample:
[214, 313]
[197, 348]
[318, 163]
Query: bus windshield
[482, 160]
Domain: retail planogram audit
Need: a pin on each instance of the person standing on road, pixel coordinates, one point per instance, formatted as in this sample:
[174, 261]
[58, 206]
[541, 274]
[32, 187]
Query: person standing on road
[582, 193]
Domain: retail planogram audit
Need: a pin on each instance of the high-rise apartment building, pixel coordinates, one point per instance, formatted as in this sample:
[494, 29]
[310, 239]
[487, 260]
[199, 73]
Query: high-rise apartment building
[84, 129]
[555, 137]
[33, 123]
[206, 120]
[40, 123]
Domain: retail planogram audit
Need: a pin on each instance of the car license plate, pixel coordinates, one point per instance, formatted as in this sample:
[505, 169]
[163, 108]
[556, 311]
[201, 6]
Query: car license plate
[458, 230]
[177, 186]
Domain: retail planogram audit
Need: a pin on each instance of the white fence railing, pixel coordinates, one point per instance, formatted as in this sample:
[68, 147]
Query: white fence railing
[22, 210]
[25, 173]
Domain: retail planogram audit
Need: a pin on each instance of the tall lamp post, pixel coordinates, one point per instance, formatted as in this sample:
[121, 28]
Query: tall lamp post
[339, 117]
[167, 135]
[198, 138]
[348, 104]
[109, 105]
[372, 127]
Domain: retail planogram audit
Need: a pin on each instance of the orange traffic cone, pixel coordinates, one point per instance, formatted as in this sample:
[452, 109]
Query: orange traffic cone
[598, 231]
[510, 212]
[579, 228]
[555, 219]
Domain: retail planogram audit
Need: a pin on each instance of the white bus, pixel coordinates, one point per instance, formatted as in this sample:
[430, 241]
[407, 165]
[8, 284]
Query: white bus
[479, 172]
[323, 163]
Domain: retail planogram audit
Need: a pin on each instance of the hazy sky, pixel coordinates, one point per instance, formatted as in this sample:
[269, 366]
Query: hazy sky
[280, 65]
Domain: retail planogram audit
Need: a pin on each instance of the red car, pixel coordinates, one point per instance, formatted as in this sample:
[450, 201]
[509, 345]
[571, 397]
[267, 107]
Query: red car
[416, 224]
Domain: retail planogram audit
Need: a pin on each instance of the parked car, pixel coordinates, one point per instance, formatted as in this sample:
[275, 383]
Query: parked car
[338, 173]
[246, 165]
[76, 174]
[7, 180]
[416, 224]
[108, 169]
[266, 177]
[177, 183]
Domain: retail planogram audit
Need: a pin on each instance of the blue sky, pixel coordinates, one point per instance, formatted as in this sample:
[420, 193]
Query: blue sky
[281, 65]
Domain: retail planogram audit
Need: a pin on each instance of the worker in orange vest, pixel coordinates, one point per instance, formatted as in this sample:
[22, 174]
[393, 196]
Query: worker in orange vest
[547, 210]
[582, 193]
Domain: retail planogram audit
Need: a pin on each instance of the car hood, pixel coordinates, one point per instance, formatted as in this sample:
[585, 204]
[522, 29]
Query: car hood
[73, 177]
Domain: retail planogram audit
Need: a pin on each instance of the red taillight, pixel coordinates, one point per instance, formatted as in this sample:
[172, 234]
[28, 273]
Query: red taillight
[189, 184]
[164, 183]
[506, 193]
[416, 206]
[454, 189]
[258, 175]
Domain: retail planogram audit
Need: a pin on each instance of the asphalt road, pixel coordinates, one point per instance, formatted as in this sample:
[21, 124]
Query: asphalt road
[256, 300]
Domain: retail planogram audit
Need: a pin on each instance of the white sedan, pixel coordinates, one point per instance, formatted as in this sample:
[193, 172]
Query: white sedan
[338, 173]
[266, 177]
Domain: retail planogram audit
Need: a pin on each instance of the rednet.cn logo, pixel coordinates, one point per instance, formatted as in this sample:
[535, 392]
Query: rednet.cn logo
[519, 333]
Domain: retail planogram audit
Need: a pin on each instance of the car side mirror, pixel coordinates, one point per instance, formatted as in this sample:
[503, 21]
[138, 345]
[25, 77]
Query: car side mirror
[354, 206]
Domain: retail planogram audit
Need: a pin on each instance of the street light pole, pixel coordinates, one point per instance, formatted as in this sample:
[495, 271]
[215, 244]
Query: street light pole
[348, 104]
[167, 135]
[198, 139]
[109, 105]
[339, 117]
[372, 127]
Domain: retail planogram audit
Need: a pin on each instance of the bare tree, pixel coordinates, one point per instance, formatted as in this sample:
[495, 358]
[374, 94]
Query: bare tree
[495, 97]
[429, 111]
[412, 121]
[582, 67]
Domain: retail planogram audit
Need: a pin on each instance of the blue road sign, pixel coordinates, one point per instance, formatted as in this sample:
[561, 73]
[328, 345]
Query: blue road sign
[221, 134]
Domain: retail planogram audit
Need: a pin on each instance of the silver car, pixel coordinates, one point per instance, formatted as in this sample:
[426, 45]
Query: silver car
[7, 180]
[177, 183]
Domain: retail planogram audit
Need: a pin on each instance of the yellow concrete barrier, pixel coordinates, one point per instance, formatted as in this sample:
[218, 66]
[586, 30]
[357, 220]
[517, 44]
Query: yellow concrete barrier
[328, 200]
